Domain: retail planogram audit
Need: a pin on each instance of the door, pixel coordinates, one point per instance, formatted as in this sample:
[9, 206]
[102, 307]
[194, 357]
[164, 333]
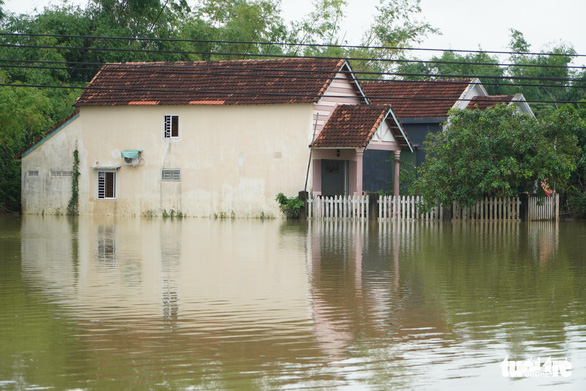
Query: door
[334, 177]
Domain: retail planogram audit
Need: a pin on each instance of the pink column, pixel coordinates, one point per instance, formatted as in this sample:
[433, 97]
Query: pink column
[396, 179]
[316, 188]
[359, 157]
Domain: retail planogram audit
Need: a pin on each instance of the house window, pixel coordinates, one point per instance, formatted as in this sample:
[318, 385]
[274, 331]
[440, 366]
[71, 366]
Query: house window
[171, 175]
[171, 126]
[33, 173]
[106, 184]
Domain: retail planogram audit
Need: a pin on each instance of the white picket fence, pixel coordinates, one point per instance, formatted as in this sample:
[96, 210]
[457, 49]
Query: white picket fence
[546, 208]
[405, 208]
[344, 207]
[490, 208]
[408, 208]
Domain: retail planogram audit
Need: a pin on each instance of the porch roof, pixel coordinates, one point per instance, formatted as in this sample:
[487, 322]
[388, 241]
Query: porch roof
[353, 126]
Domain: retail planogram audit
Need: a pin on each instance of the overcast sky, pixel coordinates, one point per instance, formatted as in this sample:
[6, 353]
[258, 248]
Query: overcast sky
[465, 24]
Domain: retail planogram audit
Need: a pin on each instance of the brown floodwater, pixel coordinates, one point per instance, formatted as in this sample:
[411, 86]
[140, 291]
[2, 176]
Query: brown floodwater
[203, 304]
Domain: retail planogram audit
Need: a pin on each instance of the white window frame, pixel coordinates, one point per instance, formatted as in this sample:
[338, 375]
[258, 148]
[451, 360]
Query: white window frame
[101, 190]
[168, 127]
[173, 175]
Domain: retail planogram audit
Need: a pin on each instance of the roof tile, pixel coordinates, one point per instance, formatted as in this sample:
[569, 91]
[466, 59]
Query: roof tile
[416, 99]
[351, 126]
[484, 102]
[284, 80]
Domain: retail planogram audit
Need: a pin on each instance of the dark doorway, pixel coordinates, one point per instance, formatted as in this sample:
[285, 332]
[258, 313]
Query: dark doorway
[334, 177]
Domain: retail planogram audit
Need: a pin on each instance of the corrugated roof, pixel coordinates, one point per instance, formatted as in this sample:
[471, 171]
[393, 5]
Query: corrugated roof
[295, 80]
[416, 99]
[353, 126]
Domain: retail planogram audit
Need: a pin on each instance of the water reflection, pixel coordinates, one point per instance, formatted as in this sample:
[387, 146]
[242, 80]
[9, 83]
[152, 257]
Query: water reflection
[204, 304]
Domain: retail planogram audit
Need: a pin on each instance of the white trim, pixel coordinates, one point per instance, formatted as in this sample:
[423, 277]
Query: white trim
[347, 64]
[401, 129]
[359, 96]
[519, 99]
[469, 93]
[103, 177]
[170, 130]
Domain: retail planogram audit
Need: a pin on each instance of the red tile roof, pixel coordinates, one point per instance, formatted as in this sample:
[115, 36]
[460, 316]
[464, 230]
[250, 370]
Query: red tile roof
[353, 126]
[295, 80]
[416, 99]
[484, 102]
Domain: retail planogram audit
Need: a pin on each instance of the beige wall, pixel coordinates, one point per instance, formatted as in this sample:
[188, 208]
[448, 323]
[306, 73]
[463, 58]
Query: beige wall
[42, 191]
[233, 160]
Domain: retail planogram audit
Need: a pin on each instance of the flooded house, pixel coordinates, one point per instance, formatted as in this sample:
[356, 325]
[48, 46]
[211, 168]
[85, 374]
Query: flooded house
[218, 138]
[423, 106]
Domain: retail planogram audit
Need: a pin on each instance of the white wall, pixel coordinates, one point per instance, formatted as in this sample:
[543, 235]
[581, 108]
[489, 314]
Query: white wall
[233, 159]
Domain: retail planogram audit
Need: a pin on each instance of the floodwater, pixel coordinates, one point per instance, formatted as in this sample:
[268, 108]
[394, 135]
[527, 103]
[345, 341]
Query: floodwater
[197, 304]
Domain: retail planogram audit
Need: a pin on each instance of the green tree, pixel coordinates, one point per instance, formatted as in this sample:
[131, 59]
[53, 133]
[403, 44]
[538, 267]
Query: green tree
[321, 27]
[497, 152]
[545, 77]
[479, 64]
[577, 189]
[241, 21]
[396, 26]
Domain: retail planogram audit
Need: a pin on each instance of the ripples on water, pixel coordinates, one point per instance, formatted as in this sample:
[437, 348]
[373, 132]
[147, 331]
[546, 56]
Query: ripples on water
[204, 304]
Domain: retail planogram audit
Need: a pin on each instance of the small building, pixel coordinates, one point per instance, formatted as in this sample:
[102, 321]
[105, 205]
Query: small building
[218, 138]
[423, 106]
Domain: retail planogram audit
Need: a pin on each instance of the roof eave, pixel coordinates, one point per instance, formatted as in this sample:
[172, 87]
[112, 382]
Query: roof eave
[355, 81]
[63, 124]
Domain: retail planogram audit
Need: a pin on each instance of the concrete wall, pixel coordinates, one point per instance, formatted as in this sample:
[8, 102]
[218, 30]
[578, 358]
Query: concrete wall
[44, 192]
[233, 160]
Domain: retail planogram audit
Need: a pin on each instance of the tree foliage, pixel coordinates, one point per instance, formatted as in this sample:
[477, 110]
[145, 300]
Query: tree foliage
[544, 79]
[498, 152]
[576, 192]
[73, 42]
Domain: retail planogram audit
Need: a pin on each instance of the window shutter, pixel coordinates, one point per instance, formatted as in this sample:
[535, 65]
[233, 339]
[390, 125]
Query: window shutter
[101, 184]
[167, 126]
[106, 184]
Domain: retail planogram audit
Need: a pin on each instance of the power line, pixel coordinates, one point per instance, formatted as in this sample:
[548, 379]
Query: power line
[294, 44]
[264, 55]
[266, 73]
[398, 61]
[255, 93]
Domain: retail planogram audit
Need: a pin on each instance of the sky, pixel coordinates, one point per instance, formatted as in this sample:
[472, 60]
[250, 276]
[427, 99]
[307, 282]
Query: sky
[464, 24]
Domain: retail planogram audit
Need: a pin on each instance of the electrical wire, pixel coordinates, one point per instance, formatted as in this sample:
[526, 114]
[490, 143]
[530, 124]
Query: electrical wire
[275, 56]
[256, 93]
[294, 44]
[266, 72]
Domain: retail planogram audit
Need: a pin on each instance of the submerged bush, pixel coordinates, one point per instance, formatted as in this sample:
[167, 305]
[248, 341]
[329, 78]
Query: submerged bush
[290, 206]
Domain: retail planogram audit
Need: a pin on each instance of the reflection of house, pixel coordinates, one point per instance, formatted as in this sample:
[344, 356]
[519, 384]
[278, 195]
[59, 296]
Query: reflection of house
[423, 107]
[205, 138]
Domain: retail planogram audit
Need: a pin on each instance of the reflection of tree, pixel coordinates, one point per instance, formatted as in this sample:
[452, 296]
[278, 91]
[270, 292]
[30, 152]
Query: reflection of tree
[494, 285]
